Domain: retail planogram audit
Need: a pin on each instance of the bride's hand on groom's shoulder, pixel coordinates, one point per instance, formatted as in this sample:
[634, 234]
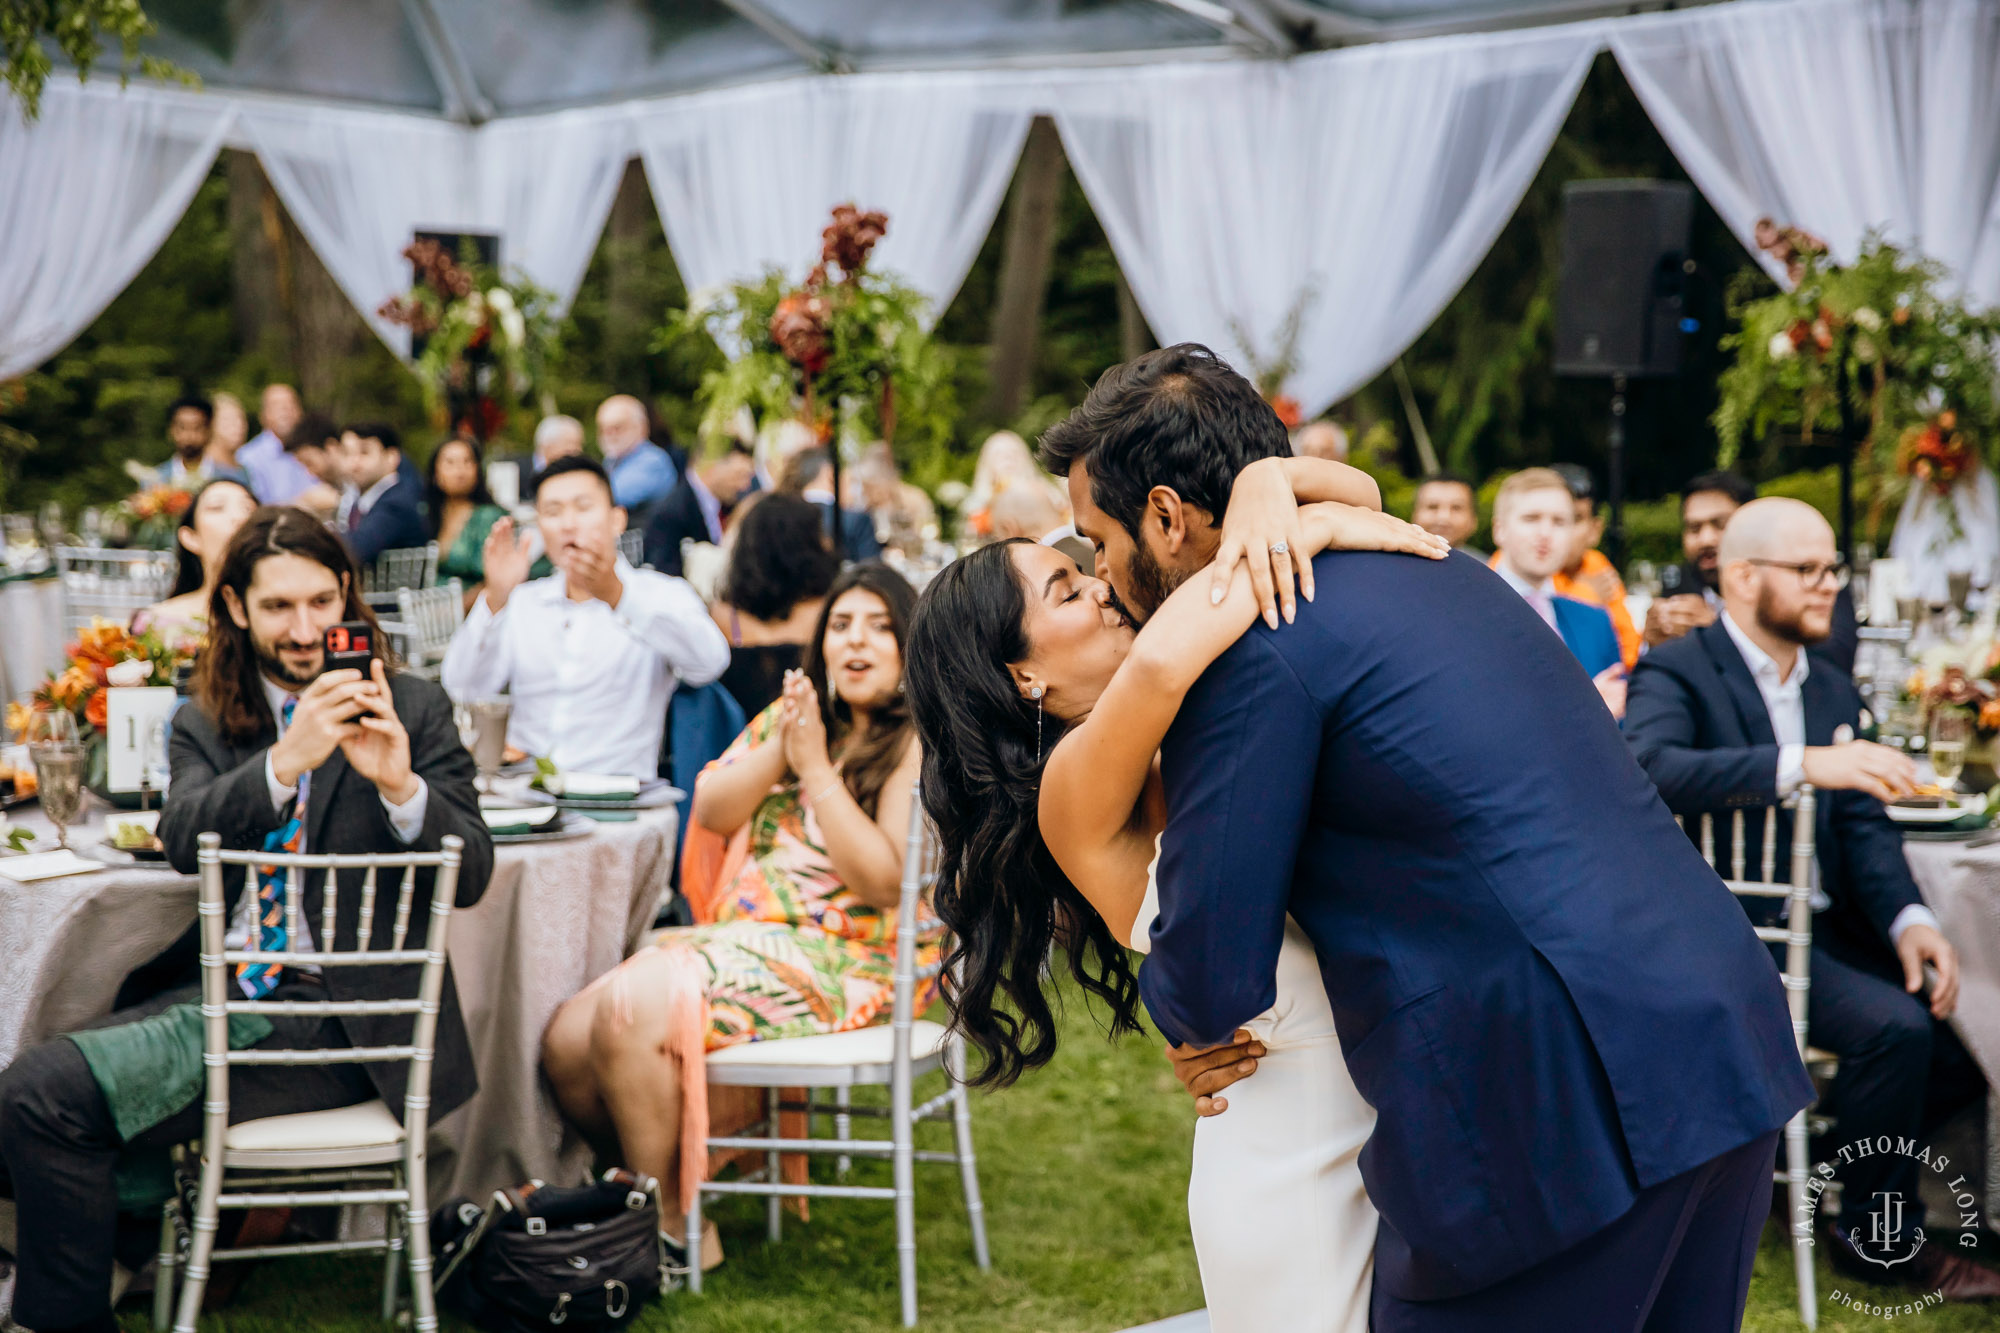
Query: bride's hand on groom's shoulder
[1262, 528]
[1205, 1073]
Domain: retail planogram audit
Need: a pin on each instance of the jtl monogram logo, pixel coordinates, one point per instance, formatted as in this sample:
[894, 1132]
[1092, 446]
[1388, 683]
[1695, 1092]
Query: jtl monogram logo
[1885, 1243]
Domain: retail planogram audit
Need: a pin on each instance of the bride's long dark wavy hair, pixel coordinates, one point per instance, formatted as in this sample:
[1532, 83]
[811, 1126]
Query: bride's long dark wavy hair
[998, 888]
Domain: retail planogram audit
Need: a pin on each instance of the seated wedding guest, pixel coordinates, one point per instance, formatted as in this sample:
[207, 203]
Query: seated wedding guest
[802, 939]
[270, 754]
[1532, 522]
[190, 422]
[276, 476]
[1590, 576]
[1735, 715]
[1320, 439]
[461, 511]
[591, 653]
[218, 510]
[228, 432]
[641, 472]
[810, 476]
[902, 513]
[314, 445]
[1005, 461]
[556, 437]
[780, 567]
[1692, 591]
[1023, 512]
[699, 508]
[1447, 506]
[382, 507]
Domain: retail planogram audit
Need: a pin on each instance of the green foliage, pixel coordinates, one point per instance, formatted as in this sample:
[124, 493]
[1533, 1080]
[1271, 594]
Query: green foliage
[1906, 351]
[877, 357]
[508, 319]
[78, 29]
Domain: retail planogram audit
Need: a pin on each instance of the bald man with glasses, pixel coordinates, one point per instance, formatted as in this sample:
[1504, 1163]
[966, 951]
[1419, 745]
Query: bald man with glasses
[1737, 714]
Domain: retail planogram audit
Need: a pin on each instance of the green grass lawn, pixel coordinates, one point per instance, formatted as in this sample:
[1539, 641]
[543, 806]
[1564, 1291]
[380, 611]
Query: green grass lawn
[1084, 1168]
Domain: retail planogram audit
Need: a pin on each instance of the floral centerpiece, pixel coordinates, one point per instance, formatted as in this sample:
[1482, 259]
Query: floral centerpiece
[104, 656]
[488, 341]
[846, 351]
[151, 515]
[1918, 368]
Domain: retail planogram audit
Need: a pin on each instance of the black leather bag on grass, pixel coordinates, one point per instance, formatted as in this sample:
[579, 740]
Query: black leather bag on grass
[540, 1258]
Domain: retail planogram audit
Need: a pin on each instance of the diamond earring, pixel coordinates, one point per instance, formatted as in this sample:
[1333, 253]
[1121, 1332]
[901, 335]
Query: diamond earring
[1036, 695]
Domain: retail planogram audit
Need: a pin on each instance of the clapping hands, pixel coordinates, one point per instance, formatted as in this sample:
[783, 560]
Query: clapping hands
[506, 557]
[803, 731]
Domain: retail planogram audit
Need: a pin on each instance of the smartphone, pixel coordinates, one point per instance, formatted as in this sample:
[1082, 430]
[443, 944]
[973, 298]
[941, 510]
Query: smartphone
[350, 644]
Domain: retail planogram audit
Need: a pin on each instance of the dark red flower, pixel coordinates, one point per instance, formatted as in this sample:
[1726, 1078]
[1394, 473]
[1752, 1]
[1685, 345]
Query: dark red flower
[850, 237]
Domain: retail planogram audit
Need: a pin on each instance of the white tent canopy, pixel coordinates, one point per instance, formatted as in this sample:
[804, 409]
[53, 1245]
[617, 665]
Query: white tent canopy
[1354, 188]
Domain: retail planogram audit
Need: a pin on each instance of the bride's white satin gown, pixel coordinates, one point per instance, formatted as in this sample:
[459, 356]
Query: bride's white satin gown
[1282, 1225]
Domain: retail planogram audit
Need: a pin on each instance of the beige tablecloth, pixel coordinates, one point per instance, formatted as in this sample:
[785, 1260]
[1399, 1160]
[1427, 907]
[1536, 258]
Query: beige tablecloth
[554, 917]
[1962, 885]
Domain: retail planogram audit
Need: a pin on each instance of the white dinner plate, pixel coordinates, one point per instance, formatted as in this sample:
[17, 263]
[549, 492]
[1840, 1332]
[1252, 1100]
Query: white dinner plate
[1943, 814]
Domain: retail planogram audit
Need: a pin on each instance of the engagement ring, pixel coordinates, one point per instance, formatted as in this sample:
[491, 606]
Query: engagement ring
[1280, 548]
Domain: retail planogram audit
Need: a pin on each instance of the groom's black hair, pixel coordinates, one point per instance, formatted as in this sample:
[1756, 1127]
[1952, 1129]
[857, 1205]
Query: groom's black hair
[1176, 417]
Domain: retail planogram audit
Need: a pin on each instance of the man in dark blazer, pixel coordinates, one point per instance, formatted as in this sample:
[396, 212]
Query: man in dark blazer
[383, 509]
[1579, 1053]
[699, 507]
[1736, 715]
[381, 769]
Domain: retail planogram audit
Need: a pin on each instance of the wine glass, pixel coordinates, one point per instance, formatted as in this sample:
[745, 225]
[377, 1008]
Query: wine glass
[59, 756]
[489, 719]
[1951, 728]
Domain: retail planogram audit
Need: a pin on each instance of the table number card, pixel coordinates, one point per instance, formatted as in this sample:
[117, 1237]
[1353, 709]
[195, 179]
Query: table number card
[136, 737]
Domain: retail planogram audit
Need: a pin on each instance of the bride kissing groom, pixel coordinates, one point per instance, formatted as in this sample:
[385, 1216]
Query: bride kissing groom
[1525, 1062]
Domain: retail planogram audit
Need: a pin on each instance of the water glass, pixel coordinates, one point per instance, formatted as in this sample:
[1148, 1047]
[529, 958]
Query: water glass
[488, 720]
[1950, 732]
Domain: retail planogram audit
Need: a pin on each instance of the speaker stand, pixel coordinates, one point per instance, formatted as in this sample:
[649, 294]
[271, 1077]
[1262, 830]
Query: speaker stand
[1614, 472]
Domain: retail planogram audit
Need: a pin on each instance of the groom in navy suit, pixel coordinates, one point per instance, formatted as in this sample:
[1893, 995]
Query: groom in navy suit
[1580, 1054]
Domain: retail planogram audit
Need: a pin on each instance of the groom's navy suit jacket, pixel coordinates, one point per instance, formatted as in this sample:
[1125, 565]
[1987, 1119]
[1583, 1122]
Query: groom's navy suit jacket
[1551, 1001]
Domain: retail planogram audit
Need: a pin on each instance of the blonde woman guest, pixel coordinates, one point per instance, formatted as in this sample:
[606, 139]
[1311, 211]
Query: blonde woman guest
[1005, 461]
[228, 429]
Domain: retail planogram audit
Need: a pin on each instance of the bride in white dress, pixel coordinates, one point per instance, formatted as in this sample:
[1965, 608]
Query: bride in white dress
[1041, 713]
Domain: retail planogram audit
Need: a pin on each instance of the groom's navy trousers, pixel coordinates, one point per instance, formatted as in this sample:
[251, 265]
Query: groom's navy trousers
[1572, 1038]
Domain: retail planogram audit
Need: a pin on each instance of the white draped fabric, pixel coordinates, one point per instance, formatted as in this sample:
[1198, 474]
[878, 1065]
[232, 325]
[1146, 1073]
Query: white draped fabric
[1836, 116]
[745, 179]
[87, 194]
[1353, 191]
[1938, 536]
[358, 183]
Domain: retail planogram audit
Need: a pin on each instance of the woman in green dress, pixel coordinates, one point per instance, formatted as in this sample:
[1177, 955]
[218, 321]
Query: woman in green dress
[461, 512]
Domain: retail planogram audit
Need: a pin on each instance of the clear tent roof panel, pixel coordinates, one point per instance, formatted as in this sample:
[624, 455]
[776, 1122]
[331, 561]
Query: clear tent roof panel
[480, 58]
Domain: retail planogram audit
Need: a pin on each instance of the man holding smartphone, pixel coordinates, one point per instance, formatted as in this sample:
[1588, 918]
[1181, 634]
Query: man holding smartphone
[275, 753]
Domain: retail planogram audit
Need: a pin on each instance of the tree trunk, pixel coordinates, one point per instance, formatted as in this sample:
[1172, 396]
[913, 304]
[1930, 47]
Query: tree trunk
[1134, 338]
[260, 297]
[329, 332]
[1025, 255]
[626, 316]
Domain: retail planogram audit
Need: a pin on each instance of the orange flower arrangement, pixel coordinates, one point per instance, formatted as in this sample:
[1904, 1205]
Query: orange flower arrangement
[1935, 453]
[104, 655]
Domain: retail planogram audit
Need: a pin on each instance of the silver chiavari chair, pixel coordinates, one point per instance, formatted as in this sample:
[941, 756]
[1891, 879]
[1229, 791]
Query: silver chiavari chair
[429, 616]
[100, 584]
[355, 1155]
[632, 545]
[1796, 936]
[396, 569]
[897, 1055]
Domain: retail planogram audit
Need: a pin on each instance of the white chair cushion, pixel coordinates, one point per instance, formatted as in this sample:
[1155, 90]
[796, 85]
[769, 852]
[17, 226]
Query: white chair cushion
[368, 1125]
[832, 1050]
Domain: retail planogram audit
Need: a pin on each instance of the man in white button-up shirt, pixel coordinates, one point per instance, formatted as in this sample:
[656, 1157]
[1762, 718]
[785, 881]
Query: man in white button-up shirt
[590, 654]
[1738, 714]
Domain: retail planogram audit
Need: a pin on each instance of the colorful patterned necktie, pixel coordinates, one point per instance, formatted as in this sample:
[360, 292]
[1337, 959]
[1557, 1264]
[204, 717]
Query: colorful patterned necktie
[258, 979]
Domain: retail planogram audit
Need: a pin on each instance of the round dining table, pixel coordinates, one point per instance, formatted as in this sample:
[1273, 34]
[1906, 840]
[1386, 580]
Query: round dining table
[555, 916]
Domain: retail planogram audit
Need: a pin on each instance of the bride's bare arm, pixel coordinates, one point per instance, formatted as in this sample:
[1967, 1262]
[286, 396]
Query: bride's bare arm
[1094, 779]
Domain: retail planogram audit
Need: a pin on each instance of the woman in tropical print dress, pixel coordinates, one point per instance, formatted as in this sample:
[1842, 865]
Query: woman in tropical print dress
[804, 936]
